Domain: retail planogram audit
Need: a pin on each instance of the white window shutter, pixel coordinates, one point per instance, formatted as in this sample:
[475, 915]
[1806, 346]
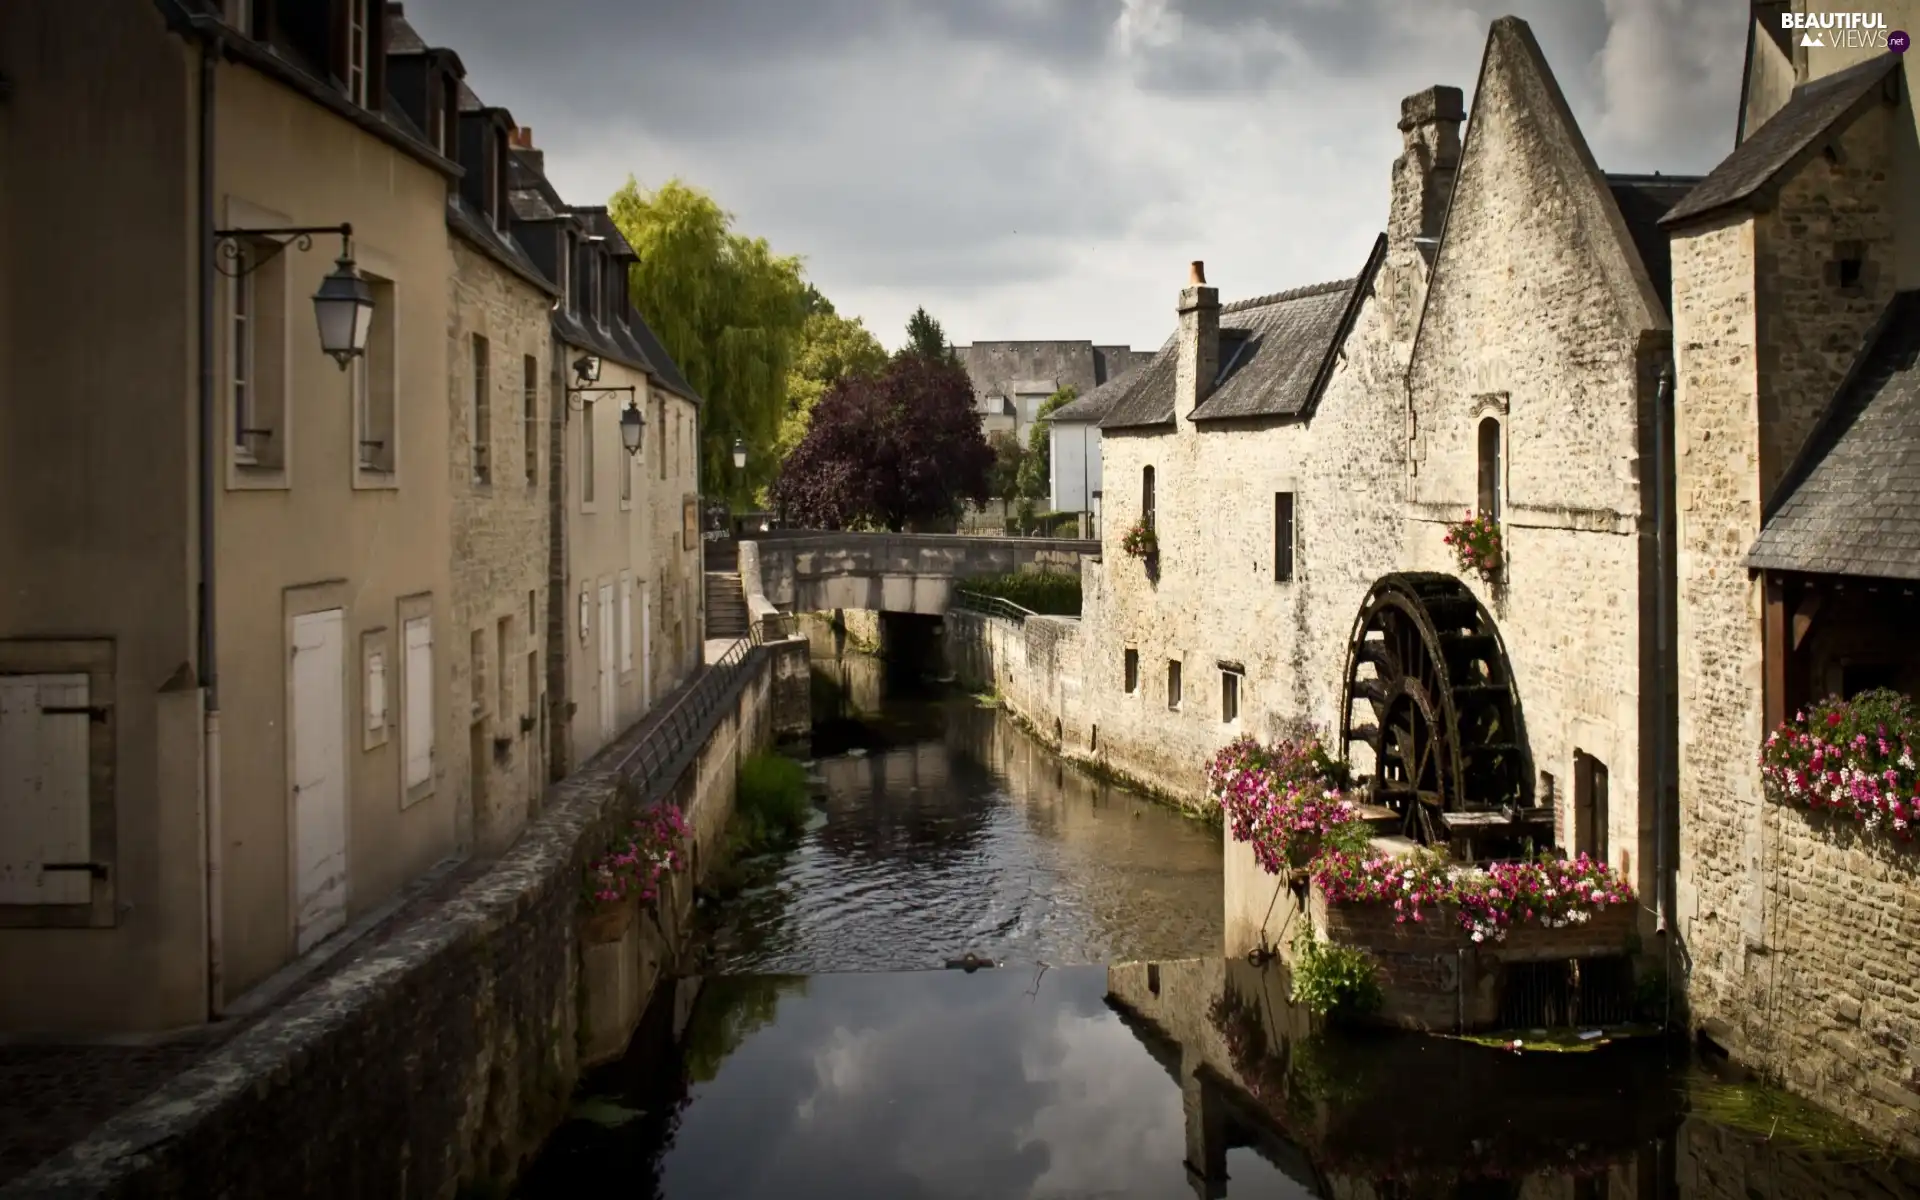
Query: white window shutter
[626, 624]
[376, 691]
[44, 812]
[418, 730]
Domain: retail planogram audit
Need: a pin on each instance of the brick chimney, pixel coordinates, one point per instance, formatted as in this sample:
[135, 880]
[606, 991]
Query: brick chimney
[1423, 174]
[1198, 363]
[522, 139]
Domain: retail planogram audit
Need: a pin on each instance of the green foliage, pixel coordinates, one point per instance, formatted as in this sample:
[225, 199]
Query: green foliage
[730, 313]
[1348, 837]
[1332, 980]
[1028, 523]
[831, 348]
[772, 804]
[1036, 472]
[1009, 458]
[1042, 592]
[927, 339]
[730, 1010]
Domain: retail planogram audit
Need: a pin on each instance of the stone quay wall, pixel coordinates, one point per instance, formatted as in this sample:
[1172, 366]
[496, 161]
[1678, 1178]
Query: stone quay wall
[440, 1058]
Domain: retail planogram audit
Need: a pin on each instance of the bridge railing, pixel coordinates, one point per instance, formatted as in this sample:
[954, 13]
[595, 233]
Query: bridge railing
[687, 721]
[989, 606]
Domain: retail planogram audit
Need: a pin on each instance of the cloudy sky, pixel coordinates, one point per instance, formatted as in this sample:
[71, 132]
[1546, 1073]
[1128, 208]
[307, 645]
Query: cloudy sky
[1047, 168]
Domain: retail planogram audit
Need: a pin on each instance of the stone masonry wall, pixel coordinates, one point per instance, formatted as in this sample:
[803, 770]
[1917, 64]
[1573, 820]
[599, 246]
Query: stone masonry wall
[1216, 600]
[667, 482]
[439, 1059]
[1802, 942]
[500, 545]
[1541, 317]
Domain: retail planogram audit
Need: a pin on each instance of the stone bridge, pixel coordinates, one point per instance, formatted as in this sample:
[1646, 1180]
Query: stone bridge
[886, 572]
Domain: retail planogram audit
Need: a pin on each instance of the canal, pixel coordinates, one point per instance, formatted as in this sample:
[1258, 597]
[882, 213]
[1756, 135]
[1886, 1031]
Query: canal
[827, 1049]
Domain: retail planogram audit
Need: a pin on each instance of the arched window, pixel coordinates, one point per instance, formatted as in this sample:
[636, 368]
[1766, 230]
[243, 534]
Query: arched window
[1491, 474]
[1146, 496]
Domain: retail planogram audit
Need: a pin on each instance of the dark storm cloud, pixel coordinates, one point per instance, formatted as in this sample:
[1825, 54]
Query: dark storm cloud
[1029, 168]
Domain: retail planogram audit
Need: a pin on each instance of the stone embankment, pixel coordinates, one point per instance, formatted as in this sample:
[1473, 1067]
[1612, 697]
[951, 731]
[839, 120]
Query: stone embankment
[442, 1052]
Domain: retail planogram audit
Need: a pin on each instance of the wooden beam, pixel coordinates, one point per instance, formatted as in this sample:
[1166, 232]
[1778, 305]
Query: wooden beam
[1774, 651]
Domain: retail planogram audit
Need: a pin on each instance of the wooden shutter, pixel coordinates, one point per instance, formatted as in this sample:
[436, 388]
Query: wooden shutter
[418, 730]
[376, 691]
[626, 623]
[45, 816]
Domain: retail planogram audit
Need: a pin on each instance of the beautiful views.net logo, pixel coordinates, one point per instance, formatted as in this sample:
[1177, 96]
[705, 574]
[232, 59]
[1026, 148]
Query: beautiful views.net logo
[1845, 30]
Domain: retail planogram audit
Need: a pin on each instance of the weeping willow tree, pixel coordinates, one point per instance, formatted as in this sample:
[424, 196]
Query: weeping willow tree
[730, 312]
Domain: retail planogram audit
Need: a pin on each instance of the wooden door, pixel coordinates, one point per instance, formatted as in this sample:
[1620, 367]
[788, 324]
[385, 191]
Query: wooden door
[318, 727]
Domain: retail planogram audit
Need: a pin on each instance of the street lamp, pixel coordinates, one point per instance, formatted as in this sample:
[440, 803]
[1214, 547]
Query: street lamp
[739, 454]
[587, 368]
[632, 425]
[343, 307]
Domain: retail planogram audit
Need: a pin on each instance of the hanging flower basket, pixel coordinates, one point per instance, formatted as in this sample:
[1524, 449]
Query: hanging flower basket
[1141, 542]
[1851, 758]
[1477, 546]
[632, 872]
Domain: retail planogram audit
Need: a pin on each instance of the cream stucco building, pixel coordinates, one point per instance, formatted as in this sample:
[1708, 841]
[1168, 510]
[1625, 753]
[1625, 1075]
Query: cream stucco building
[248, 695]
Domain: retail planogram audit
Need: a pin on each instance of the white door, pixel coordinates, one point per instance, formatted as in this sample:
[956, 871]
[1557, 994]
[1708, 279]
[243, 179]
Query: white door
[608, 709]
[319, 728]
[646, 649]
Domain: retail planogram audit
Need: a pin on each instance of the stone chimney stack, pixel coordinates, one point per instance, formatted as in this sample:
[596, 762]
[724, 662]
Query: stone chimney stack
[1198, 363]
[1423, 174]
[522, 140]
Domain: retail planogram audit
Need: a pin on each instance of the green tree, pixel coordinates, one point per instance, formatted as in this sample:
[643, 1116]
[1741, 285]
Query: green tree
[1036, 469]
[1009, 457]
[926, 338]
[831, 347]
[730, 312]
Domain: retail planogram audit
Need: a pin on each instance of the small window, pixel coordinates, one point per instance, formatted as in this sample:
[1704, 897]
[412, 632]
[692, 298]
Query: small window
[624, 465]
[503, 683]
[586, 452]
[566, 270]
[373, 375]
[1589, 806]
[477, 669]
[1146, 497]
[373, 652]
[357, 51]
[482, 413]
[1283, 537]
[417, 697]
[1848, 271]
[1490, 468]
[1132, 668]
[256, 357]
[1229, 696]
[450, 126]
[501, 205]
[1173, 684]
[660, 423]
[530, 416]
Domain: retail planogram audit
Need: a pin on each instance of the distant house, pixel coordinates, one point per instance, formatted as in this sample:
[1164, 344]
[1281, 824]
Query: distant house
[1074, 446]
[1011, 380]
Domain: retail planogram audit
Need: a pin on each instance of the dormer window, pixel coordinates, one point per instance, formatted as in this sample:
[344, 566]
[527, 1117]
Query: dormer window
[566, 271]
[449, 116]
[593, 288]
[358, 51]
[497, 177]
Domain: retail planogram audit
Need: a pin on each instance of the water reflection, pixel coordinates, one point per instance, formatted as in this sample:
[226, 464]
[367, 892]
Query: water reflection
[1180, 1078]
[954, 833]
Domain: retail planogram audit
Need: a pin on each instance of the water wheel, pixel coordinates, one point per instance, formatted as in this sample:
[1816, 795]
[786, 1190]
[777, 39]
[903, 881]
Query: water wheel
[1429, 700]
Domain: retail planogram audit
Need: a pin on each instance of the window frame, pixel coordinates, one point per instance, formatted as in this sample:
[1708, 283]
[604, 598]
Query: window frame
[1148, 499]
[417, 613]
[358, 52]
[1231, 685]
[530, 416]
[1176, 685]
[1286, 536]
[587, 449]
[480, 413]
[374, 386]
[373, 654]
[1490, 466]
[1130, 671]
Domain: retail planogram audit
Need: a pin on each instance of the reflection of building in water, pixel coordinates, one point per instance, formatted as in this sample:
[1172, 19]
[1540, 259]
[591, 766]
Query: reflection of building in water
[1400, 1118]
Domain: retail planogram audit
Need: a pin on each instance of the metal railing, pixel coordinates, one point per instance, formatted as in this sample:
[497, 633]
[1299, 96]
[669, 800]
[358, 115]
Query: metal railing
[990, 606]
[687, 720]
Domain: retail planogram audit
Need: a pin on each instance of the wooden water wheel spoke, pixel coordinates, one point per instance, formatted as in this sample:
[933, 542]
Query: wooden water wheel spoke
[1439, 700]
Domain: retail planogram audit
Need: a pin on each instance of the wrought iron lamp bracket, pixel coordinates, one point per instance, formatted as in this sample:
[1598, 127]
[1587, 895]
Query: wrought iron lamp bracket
[240, 252]
[576, 397]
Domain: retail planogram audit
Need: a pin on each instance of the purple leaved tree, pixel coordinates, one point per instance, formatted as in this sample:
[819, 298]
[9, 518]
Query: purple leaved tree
[896, 450]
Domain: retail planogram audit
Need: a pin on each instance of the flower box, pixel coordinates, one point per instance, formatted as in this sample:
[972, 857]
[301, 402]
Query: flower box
[604, 921]
[1853, 759]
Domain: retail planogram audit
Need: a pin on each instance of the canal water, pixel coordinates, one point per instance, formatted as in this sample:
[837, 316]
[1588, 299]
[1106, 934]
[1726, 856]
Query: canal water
[828, 1051]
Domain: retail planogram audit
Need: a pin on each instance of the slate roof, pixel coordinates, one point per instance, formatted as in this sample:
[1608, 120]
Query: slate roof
[664, 368]
[1097, 403]
[1275, 355]
[1643, 200]
[1850, 504]
[502, 248]
[402, 37]
[1777, 146]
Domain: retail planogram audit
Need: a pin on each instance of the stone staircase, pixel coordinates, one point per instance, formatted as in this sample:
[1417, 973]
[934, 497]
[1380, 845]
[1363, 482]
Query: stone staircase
[726, 605]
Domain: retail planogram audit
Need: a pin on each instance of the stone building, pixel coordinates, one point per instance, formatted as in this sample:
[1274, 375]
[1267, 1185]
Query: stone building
[1299, 456]
[1797, 309]
[624, 605]
[1011, 380]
